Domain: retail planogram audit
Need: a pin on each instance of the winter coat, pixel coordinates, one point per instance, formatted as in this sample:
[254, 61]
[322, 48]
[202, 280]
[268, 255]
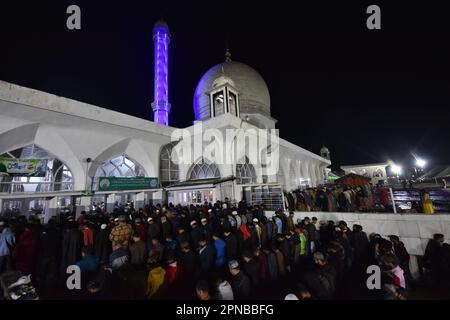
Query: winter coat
[7, 241]
[189, 264]
[263, 266]
[71, 248]
[153, 231]
[173, 272]
[273, 265]
[102, 245]
[251, 269]
[196, 234]
[220, 246]
[231, 246]
[207, 258]
[138, 252]
[88, 237]
[25, 252]
[321, 282]
[155, 281]
[241, 286]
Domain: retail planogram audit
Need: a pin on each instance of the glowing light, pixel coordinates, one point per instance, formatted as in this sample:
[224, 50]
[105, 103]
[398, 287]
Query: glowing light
[396, 169]
[161, 105]
[420, 163]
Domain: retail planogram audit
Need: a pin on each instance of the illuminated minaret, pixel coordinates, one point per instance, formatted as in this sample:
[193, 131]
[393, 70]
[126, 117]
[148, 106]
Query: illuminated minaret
[161, 105]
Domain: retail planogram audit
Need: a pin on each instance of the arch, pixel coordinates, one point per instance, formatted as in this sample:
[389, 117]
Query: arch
[378, 173]
[120, 166]
[132, 149]
[203, 169]
[54, 175]
[48, 139]
[169, 171]
[18, 137]
[245, 172]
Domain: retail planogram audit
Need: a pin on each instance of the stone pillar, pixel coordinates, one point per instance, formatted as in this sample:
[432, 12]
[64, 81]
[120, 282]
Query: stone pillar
[51, 205]
[1, 206]
[139, 200]
[85, 203]
[110, 200]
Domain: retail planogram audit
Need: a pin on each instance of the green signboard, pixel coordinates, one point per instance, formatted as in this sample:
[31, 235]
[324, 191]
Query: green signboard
[117, 184]
[11, 167]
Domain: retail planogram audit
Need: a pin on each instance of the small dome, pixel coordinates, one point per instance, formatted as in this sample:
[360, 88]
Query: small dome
[324, 150]
[253, 92]
[161, 24]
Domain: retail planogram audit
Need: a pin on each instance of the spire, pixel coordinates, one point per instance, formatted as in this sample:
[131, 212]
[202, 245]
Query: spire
[228, 55]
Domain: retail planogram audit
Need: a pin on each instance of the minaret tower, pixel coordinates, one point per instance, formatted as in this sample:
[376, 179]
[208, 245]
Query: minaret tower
[161, 105]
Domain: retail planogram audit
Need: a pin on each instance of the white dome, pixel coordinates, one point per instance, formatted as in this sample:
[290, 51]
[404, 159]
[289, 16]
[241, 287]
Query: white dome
[253, 92]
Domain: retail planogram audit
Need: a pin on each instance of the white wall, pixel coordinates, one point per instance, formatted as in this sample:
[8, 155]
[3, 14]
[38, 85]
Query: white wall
[415, 230]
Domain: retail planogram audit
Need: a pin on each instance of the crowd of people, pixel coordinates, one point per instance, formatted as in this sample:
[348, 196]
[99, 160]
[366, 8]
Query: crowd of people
[212, 251]
[365, 198]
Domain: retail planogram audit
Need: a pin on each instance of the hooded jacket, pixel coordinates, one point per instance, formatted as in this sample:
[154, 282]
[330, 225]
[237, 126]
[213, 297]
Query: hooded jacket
[155, 280]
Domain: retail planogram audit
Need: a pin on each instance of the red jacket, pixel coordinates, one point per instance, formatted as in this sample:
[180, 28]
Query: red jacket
[172, 273]
[245, 233]
[142, 231]
[24, 254]
[88, 237]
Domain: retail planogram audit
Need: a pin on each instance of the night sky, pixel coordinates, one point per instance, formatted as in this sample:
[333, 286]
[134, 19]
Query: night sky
[367, 95]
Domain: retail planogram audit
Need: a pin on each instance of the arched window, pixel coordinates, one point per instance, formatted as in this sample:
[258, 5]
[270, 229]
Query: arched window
[169, 172]
[245, 172]
[51, 174]
[203, 169]
[121, 166]
[378, 173]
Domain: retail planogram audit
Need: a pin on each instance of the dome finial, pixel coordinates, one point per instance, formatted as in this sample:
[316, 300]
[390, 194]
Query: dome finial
[228, 55]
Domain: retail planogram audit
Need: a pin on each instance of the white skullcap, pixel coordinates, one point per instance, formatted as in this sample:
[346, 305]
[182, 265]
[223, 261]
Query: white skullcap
[149, 219]
[234, 213]
[193, 222]
[103, 226]
[210, 210]
[291, 296]
[255, 220]
[204, 220]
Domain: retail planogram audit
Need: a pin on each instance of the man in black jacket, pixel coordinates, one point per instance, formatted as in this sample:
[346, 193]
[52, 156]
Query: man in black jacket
[231, 245]
[240, 282]
[153, 230]
[207, 254]
[251, 268]
[196, 234]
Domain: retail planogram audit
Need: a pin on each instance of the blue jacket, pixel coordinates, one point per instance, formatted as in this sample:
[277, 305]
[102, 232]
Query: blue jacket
[7, 241]
[88, 263]
[220, 252]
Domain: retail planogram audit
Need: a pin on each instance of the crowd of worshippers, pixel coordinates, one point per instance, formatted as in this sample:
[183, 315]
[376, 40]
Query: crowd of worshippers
[208, 252]
[366, 198]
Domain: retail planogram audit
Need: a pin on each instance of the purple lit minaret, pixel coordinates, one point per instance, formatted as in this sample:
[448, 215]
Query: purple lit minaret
[161, 105]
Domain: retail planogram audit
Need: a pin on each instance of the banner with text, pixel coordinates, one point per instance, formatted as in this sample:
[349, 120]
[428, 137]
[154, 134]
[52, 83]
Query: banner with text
[117, 184]
[11, 167]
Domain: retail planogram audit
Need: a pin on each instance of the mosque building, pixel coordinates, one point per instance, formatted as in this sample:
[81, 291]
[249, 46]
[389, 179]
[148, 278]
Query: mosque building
[56, 152]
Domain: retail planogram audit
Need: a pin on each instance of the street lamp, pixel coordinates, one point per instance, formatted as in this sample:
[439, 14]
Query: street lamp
[420, 163]
[396, 169]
